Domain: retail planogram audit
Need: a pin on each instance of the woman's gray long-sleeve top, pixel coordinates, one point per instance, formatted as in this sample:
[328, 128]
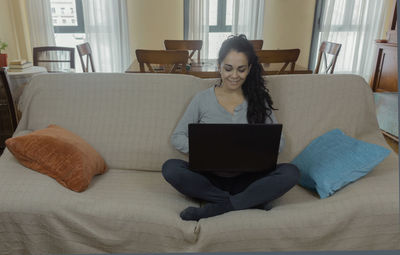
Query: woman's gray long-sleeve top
[204, 108]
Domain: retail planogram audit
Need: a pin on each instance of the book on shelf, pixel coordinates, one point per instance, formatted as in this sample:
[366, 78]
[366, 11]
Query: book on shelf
[20, 66]
[15, 70]
[18, 62]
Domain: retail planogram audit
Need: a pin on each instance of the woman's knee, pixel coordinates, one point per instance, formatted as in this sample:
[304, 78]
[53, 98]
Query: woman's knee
[290, 171]
[171, 169]
[168, 167]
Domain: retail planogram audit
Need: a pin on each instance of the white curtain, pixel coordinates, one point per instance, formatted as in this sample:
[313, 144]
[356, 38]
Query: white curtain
[106, 28]
[355, 24]
[199, 23]
[40, 22]
[248, 18]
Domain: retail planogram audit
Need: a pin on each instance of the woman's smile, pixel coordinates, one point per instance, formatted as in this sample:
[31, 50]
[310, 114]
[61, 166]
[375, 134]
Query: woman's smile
[234, 70]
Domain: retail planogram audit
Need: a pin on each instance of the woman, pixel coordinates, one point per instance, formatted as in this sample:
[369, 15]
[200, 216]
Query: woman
[241, 97]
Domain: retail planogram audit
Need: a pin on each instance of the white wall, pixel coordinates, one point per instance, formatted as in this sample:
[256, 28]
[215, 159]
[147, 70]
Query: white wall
[288, 24]
[7, 29]
[153, 21]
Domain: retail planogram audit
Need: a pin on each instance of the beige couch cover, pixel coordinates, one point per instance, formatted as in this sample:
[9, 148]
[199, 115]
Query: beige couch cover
[128, 119]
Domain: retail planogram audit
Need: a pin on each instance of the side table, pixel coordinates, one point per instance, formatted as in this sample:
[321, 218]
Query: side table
[18, 81]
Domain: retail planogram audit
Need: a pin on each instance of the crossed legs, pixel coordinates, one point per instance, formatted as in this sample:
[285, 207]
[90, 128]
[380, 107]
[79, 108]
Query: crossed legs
[227, 194]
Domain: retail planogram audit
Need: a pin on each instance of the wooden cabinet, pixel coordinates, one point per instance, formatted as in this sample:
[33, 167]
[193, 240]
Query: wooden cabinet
[8, 120]
[6, 128]
[385, 74]
[384, 77]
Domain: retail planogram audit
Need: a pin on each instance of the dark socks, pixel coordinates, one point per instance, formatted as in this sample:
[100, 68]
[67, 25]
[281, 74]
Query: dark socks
[214, 209]
[208, 210]
[266, 207]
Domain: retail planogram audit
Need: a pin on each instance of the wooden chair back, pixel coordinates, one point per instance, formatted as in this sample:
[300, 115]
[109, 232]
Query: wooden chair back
[286, 57]
[257, 44]
[162, 61]
[85, 50]
[8, 115]
[54, 58]
[328, 48]
[191, 45]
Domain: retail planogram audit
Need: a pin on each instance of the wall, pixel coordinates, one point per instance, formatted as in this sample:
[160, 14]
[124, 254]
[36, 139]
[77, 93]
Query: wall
[288, 24]
[7, 29]
[389, 5]
[153, 21]
[22, 28]
[150, 22]
[14, 29]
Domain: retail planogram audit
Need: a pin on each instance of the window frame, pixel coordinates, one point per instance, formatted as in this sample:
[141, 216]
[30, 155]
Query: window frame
[80, 28]
[221, 26]
[345, 26]
[317, 25]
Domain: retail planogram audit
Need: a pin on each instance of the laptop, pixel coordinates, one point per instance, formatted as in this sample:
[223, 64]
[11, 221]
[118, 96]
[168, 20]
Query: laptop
[234, 147]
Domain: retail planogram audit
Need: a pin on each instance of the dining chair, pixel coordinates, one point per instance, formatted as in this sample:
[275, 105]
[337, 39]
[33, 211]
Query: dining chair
[54, 58]
[8, 116]
[190, 45]
[287, 56]
[85, 50]
[162, 61]
[257, 44]
[328, 49]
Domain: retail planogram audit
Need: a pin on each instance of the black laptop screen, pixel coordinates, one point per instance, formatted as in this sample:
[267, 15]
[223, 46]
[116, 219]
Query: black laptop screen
[233, 147]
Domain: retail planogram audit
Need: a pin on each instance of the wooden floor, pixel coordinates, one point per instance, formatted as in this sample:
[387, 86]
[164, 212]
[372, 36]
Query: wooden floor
[393, 144]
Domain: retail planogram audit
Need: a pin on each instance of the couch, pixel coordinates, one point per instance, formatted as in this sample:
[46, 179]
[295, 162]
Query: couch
[128, 119]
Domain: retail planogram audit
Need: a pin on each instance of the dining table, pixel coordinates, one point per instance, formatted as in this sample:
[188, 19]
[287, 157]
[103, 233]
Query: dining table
[208, 68]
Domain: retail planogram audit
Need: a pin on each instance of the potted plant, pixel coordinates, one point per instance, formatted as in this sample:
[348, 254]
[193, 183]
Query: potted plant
[3, 56]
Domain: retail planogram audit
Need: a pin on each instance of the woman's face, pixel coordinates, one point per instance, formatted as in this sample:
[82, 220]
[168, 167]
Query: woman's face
[234, 70]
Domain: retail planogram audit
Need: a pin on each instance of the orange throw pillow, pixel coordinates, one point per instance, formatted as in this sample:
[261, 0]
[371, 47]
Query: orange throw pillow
[60, 154]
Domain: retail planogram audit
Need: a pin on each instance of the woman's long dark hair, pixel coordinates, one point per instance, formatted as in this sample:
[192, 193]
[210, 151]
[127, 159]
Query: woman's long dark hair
[257, 95]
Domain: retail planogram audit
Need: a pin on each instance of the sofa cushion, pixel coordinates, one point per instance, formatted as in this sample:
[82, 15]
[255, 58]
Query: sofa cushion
[122, 212]
[310, 105]
[60, 154]
[362, 216]
[128, 120]
[334, 160]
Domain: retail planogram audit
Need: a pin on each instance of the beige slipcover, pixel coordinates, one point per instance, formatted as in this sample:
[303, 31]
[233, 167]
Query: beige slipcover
[128, 119]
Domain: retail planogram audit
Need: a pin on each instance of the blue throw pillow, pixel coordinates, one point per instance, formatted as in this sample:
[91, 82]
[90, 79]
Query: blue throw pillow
[334, 160]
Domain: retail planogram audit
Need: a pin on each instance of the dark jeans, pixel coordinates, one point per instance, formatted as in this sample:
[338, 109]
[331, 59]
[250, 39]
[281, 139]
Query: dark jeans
[244, 191]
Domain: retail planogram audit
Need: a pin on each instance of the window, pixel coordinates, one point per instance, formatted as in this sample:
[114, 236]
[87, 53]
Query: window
[71, 22]
[69, 29]
[353, 23]
[220, 24]
[220, 16]
[344, 27]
